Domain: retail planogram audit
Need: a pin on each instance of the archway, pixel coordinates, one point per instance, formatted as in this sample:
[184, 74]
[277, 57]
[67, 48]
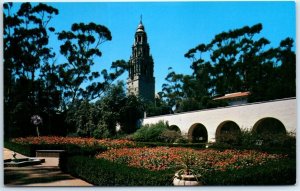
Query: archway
[269, 125]
[197, 133]
[227, 131]
[175, 128]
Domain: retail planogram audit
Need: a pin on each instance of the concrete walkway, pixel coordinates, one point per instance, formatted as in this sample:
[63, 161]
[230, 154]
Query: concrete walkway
[46, 174]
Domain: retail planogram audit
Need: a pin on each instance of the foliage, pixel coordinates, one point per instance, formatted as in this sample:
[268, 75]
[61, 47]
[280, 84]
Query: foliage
[100, 119]
[178, 143]
[83, 117]
[282, 172]
[83, 142]
[159, 107]
[81, 47]
[161, 158]
[169, 136]
[233, 61]
[106, 173]
[19, 148]
[70, 149]
[29, 75]
[172, 91]
[101, 172]
[130, 114]
[101, 131]
[36, 84]
[283, 143]
[151, 132]
[73, 146]
[158, 132]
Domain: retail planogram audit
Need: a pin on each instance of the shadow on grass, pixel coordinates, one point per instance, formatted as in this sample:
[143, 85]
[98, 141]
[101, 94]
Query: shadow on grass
[30, 175]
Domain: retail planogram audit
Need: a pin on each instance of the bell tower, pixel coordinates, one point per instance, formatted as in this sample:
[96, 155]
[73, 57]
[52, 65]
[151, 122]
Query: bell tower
[140, 80]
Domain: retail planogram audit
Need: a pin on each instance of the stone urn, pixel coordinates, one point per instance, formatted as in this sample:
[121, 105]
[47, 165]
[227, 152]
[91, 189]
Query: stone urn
[185, 178]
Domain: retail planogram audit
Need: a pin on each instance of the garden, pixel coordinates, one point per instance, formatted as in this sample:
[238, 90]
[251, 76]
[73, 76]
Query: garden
[128, 161]
[69, 97]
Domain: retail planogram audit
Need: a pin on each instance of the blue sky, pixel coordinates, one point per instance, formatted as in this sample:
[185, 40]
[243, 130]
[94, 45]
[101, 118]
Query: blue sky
[173, 28]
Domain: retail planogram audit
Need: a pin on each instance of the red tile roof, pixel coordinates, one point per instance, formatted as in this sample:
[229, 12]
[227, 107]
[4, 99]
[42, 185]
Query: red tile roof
[233, 95]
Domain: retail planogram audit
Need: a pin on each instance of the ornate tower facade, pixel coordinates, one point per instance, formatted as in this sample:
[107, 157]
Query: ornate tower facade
[141, 81]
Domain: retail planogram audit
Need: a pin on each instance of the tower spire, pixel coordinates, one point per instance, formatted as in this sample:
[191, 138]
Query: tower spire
[141, 81]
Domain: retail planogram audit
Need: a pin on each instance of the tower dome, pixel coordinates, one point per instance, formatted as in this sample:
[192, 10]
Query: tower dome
[140, 27]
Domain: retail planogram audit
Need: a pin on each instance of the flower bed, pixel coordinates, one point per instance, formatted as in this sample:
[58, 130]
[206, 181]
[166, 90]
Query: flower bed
[161, 158]
[83, 142]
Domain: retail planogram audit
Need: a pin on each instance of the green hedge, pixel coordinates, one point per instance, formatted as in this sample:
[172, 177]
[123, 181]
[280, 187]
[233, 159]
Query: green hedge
[22, 149]
[281, 172]
[101, 172]
[71, 149]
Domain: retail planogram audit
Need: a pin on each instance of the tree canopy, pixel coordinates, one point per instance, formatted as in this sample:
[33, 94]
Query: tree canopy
[234, 61]
[70, 97]
[36, 82]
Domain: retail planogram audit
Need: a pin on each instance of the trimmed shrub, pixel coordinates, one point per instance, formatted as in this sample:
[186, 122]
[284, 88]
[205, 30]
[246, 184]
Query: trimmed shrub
[30, 149]
[22, 149]
[101, 172]
[281, 172]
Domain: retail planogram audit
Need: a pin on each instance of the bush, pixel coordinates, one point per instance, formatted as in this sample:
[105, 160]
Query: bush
[30, 149]
[150, 132]
[267, 142]
[281, 172]
[101, 172]
[101, 131]
[22, 149]
[181, 140]
[158, 132]
[169, 136]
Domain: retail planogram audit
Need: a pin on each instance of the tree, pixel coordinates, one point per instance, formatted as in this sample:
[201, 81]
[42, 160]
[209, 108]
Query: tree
[281, 70]
[159, 107]
[110, 105]
[239, 60]
[172, 90]
[130, 114]
[287, 59]
[236, 60]
[81, 47]
[101, 118]
[117, 108]
[25, 33]
[83, 117]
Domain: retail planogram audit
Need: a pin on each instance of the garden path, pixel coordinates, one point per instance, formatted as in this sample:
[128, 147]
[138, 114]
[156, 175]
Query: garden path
[46, 174]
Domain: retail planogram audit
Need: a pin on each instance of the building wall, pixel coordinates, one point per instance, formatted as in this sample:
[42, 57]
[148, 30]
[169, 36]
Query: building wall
[245, 116]
[142, 87]
[133, 86]
[237, 101]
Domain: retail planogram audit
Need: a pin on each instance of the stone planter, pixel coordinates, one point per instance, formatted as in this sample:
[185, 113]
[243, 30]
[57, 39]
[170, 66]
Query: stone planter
[186, 180]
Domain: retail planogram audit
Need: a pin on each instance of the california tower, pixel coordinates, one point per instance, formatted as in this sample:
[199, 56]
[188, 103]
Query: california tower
[141, 81]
